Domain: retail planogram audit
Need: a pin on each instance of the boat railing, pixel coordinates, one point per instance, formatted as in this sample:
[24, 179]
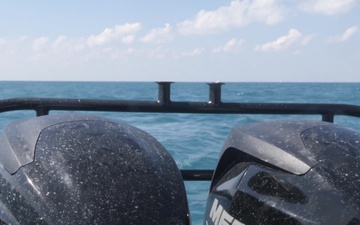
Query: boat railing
[164, 104]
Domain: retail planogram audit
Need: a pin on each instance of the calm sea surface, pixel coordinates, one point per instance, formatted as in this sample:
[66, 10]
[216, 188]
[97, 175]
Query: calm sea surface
[193, 140]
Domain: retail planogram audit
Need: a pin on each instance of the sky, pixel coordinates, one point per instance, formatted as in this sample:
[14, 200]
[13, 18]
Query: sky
[201, 41]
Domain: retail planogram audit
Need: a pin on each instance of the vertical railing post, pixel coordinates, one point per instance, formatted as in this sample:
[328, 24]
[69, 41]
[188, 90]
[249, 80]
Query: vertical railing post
[328, 117]
[42, 111]
[164, 90]
[215, 93]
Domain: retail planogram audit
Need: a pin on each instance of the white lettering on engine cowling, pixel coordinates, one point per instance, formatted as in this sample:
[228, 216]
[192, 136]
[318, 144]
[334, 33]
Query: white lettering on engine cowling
[219, 216]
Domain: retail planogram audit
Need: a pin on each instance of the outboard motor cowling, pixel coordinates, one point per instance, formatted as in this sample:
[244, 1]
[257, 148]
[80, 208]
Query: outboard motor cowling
[287, 172]
[82, 169]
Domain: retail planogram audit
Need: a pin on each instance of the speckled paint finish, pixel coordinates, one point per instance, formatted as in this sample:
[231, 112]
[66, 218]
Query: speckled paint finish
[95, 171]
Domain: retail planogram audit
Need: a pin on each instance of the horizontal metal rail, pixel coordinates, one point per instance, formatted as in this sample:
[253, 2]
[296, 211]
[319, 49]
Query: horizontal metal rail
[214, 105]
[197, 174]
[42, 106]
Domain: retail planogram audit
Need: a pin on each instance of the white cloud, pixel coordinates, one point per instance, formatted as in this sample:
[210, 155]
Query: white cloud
[293, 38]
[59, 41]
[80, 45]
[159, 35]
[11, 46]
[327, 7]
[237, 14]
[129, 39]
[40, 43]
[5, 46]
[349, 32]
[306, 39]
[194, 52]
[130, 51]
[158, 53]
[23, 38]
[112, 34]
[345, 36]
[232, 45]
[2, 41]
[67, 46]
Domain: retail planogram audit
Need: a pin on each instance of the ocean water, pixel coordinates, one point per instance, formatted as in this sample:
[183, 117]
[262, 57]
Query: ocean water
[194, 140]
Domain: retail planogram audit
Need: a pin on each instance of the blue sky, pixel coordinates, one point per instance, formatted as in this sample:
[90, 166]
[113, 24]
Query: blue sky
[246, 40]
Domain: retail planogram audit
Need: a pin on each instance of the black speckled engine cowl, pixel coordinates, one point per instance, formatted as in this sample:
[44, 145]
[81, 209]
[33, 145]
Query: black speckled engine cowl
[292, 172]
[89, 170]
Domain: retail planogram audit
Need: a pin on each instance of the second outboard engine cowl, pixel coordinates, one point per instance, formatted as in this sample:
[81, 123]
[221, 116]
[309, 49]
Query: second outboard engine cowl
[287, 172]
[81, 169]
